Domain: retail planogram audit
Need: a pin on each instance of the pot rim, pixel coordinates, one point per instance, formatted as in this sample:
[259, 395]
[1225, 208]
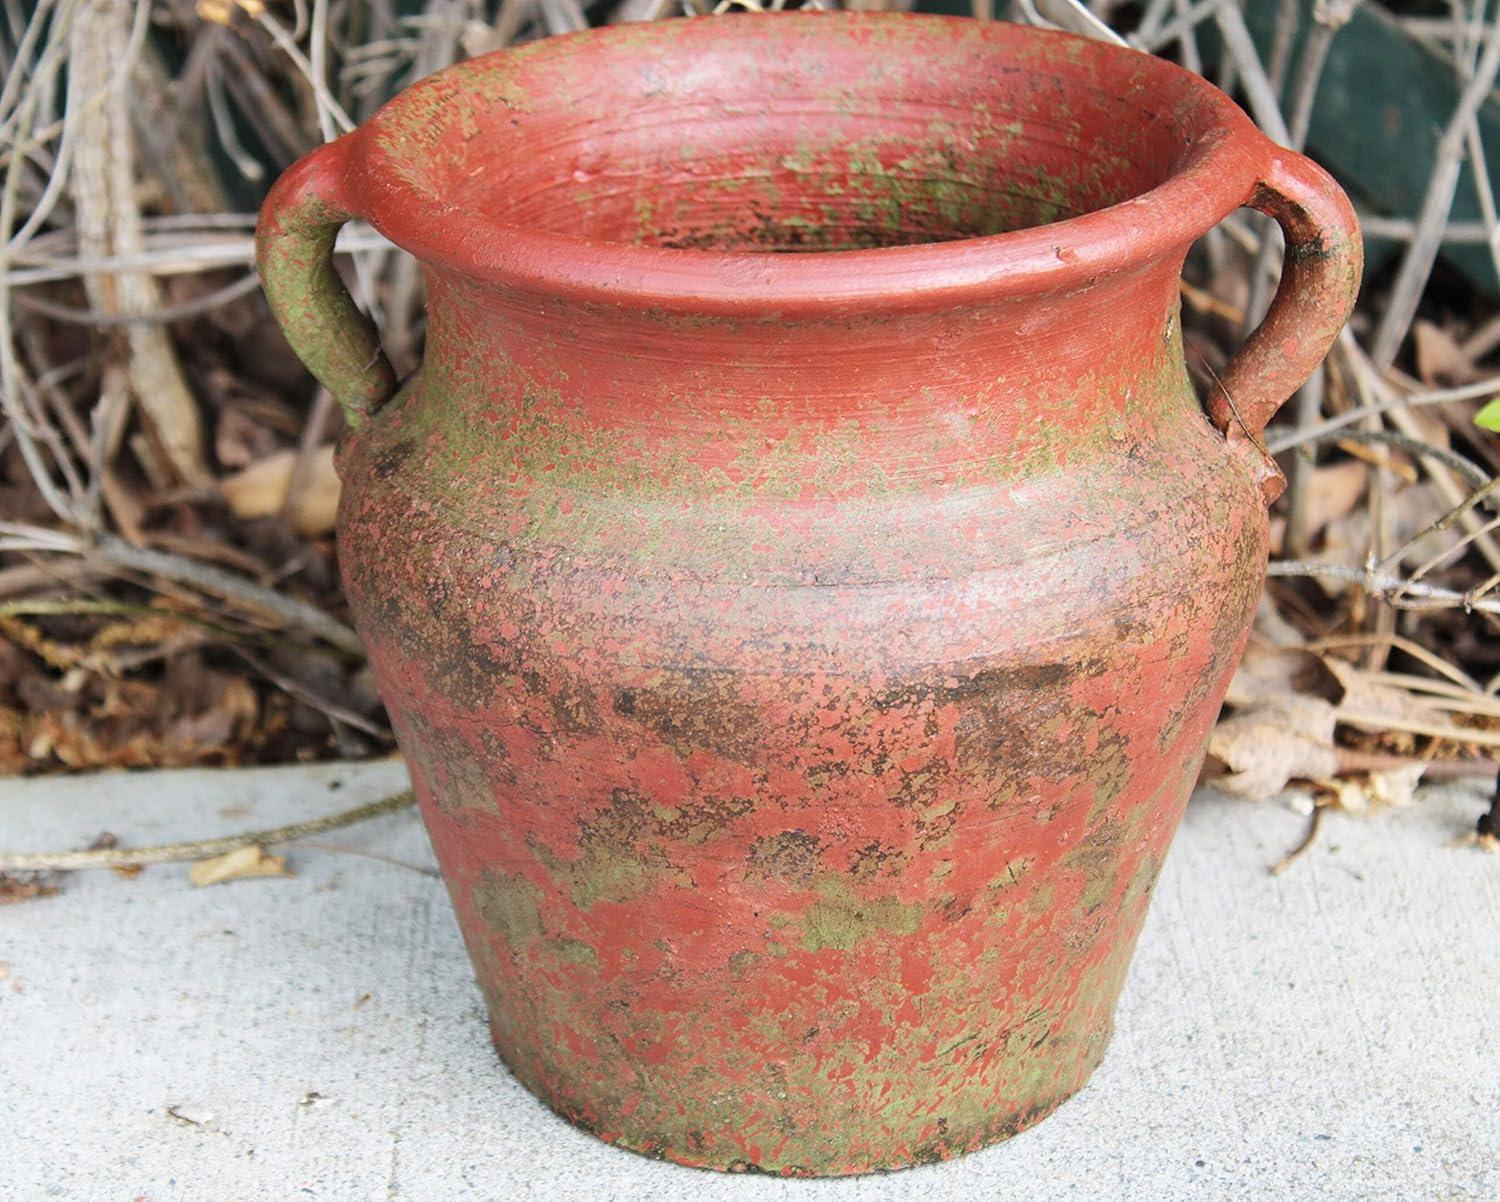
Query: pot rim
[1219, 172]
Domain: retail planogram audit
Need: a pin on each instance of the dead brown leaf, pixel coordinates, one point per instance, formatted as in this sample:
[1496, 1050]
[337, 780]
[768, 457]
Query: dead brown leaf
[51, 652]
[140, 631]
[240, 440]
[108, 840]
[1440, 358]
[222, 12]
[1387, 787]
[229, 714]
[236, 865]
[1347, 540]
[1332, 493]
[1268, 673]
[1270, 744]
[260, 490]
[13, 758]
[1372, 699]
[24, 888]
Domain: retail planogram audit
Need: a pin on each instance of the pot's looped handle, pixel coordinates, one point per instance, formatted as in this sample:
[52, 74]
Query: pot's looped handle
[1319, 282]
[294, 250]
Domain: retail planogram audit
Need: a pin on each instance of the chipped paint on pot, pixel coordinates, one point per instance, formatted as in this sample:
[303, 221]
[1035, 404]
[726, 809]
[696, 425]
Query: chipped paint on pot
[804, 659]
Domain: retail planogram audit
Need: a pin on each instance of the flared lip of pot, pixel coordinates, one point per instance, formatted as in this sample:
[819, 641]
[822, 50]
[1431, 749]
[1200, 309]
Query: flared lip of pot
[1218, 173]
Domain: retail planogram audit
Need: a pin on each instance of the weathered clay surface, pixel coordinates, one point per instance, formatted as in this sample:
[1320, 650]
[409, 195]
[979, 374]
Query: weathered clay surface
[803, 660]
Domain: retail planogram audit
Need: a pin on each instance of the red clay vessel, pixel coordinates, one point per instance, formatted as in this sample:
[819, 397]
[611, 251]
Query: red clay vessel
[804, 659]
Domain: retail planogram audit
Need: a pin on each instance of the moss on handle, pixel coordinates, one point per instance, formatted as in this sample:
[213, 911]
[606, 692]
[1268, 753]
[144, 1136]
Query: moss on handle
[294, 240]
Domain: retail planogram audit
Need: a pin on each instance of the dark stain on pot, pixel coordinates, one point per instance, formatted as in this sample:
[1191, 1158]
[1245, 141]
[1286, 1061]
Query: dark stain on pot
[791, 856]
[572, 708]
[919, 787]
[1000, 731]
[955, 908]
[1109, 769]
[631, 821]
[935, 1149]
[468, 669]
[876, 859]
[696, 709]
[1097, 859]
[987, 683]
[751, 1169]
[391, 459]
[936, 827]
[434, 632]
[463, 779]
[1008, 745]
[1227, 627]
[510, 906]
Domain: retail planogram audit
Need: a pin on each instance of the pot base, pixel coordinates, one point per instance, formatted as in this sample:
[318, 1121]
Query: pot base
[996, 1131]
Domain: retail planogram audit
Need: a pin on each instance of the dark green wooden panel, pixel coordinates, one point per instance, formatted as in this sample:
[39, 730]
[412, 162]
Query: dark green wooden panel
[1382, 105]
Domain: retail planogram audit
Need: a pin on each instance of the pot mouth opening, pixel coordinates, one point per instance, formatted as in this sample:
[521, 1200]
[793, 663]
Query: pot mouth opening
[802, 158]
[823, 200]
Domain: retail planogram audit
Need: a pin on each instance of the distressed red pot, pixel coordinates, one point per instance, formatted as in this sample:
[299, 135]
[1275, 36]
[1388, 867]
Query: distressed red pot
[803, 660]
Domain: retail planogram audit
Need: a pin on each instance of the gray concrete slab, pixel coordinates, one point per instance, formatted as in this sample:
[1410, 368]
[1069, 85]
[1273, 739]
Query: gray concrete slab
[1330, 1033]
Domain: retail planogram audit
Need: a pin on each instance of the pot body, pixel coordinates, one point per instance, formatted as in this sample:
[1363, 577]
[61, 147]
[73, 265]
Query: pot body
[801, 696]
[801, 777]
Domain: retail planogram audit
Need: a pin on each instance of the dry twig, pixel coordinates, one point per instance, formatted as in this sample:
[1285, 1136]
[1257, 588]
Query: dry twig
[108, 219]
[197, 849]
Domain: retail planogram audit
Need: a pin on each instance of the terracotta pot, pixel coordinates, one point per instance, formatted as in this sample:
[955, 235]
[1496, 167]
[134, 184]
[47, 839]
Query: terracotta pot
[804, 659]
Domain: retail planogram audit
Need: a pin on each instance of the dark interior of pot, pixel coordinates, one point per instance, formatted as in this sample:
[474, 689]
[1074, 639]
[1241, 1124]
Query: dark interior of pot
[793, 133]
